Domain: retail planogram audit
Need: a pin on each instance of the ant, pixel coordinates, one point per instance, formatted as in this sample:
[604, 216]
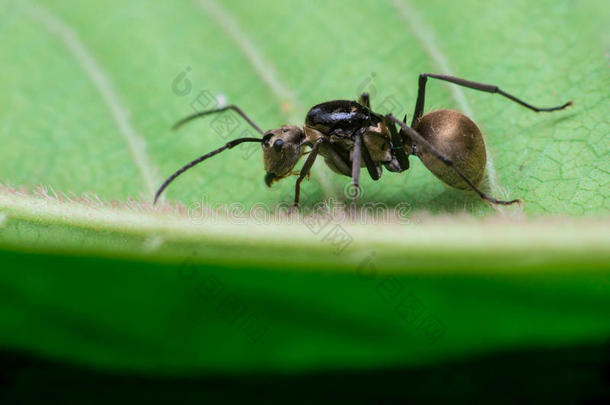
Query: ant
[350, 135]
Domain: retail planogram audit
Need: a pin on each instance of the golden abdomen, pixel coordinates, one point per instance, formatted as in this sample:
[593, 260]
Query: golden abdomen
[459, 139]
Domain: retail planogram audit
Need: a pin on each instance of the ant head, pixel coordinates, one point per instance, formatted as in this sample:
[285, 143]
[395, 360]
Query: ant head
[282, 149]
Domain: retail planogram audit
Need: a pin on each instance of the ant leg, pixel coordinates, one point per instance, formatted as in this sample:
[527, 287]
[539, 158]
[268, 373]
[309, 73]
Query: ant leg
[313, 154]
[489, 88]
[368, 162]
[365, 100]
[217, 110]
[418, 139]
[342, 165]
[356, 163]
[397, 145]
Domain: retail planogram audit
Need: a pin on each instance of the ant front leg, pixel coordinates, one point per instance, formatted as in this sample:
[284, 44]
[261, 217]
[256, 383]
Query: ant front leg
[488, 88]
[311, 158]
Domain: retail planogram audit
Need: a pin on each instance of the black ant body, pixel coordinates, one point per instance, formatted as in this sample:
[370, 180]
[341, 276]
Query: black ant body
[350, 135]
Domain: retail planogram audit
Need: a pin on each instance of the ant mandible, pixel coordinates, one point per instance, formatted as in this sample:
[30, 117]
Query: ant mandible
[349, 135]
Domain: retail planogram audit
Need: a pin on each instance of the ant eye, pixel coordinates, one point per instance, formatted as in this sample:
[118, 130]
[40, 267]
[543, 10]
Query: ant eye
[277, 145]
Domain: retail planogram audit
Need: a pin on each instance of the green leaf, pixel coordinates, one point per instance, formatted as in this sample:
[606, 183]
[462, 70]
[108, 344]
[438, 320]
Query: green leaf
[408, 295]
[90, 91]
[276, 60]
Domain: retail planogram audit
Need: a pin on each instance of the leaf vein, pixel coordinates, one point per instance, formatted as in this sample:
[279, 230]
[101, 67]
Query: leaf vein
[120, 114]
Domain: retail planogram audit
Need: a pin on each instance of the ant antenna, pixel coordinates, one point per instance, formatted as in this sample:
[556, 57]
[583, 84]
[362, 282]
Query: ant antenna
[217, 110]
[228, 145]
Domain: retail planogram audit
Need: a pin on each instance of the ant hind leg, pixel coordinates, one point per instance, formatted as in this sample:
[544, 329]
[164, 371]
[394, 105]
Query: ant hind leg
[488, 88]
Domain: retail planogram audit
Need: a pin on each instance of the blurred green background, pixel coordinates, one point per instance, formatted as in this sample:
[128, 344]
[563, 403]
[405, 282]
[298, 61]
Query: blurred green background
[465, 300]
